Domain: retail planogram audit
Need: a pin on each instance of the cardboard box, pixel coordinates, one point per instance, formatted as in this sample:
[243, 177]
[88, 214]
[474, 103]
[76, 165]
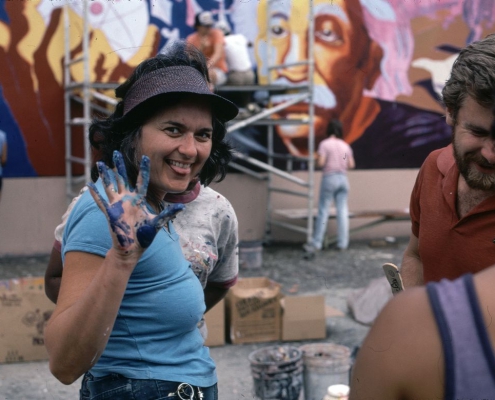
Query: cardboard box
[253, 311]
[215, 323]
[303, 317]
[24, 312]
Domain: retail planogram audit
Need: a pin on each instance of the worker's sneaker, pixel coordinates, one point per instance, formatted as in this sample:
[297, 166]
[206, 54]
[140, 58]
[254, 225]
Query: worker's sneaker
[309, 248]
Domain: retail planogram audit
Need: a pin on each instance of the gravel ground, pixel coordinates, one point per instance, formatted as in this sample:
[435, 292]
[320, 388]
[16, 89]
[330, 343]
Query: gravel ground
[334, 274]
[329, 269]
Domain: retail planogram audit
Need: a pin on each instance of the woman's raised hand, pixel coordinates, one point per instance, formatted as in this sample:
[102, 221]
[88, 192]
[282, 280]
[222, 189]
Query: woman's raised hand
[132, 225]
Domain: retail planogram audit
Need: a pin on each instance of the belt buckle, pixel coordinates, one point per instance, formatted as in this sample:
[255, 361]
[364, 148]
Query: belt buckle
[183, 390]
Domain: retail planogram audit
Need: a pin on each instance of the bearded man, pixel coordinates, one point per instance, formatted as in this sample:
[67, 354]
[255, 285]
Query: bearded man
[453, 200]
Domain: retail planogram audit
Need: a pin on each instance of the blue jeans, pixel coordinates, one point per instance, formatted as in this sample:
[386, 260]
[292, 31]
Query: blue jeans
[119, 387]
[334, 187]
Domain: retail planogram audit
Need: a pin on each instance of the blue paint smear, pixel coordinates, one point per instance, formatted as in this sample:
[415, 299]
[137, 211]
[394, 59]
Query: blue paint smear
[119, 226]
[18, 163]
[3, 14]
[118, 161]
[145, 235]
[104, 173]
[144, 170]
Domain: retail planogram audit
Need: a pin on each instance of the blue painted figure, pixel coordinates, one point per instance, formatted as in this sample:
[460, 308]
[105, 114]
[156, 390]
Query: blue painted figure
[129, 304]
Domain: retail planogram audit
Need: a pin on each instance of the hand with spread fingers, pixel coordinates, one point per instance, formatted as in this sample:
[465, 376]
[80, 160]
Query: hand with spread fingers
[132, 225]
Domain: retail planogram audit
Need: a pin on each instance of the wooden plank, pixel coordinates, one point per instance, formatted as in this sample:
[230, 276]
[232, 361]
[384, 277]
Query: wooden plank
[302, 213]
[254, 88]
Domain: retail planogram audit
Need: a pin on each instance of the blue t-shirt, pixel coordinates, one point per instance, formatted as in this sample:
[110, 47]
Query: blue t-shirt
[155, 335]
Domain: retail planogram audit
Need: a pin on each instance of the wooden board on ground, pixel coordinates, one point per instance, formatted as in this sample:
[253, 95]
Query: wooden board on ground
[302, 213]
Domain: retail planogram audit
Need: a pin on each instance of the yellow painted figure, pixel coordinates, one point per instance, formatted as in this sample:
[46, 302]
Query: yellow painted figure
[347, 61]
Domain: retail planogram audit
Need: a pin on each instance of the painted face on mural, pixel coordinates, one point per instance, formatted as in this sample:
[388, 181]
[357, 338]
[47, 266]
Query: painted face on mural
[474, 149]
[346, 61]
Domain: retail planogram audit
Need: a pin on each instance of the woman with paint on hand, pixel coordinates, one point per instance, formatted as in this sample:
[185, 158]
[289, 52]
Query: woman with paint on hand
[129, 303]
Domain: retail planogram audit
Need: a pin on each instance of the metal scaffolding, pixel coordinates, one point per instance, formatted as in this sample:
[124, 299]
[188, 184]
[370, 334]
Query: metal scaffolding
[300, 93]
[86, 93]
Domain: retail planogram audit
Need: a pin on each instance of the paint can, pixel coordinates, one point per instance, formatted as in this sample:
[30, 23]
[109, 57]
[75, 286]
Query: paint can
[325, 364]
[277, 372]
[250, 254]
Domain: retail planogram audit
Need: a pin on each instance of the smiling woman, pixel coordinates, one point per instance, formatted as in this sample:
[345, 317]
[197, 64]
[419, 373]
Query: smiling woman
[129, 303]
[148, 102]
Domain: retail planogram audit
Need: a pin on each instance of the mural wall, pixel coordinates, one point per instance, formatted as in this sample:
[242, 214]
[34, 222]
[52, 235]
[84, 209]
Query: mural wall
[379, 67]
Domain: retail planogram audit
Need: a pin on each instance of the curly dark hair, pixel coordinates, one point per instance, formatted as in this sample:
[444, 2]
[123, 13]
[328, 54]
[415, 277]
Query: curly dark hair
[473, 74]
[121, 132]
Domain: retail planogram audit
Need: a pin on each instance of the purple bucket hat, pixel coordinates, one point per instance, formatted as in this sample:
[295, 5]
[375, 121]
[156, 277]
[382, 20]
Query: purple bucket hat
[177, 79]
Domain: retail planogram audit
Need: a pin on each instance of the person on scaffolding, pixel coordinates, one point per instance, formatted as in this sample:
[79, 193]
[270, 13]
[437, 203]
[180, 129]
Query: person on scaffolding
[210, 41]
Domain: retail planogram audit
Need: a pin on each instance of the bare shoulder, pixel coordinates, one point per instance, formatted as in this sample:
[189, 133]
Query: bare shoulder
[402, 355]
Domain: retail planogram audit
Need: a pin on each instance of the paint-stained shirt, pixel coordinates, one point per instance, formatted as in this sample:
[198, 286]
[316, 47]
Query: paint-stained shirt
[208, 231]
[337, 154]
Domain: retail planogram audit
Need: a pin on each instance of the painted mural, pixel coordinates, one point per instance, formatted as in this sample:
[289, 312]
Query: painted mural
[379, 67]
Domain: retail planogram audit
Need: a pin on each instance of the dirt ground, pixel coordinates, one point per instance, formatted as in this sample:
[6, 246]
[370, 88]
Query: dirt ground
[334, 274]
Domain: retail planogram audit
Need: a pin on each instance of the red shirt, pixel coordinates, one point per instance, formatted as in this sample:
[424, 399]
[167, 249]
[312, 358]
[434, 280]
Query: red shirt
[207, 46]
[448, 246]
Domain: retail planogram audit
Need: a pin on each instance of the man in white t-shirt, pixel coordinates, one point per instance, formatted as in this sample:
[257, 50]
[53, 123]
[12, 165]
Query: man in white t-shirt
[238, 61]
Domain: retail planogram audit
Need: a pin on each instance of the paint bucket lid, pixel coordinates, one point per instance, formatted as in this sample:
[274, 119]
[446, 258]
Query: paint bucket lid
[338, 392]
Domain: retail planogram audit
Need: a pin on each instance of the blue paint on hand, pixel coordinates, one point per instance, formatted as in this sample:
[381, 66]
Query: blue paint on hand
[145, 235]
[144, 172]
[174, 208]
[118, 161]
[122, 230]
[147, 232]
[168, 213]
[103, 170]
[147, 225]
[115, 212]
